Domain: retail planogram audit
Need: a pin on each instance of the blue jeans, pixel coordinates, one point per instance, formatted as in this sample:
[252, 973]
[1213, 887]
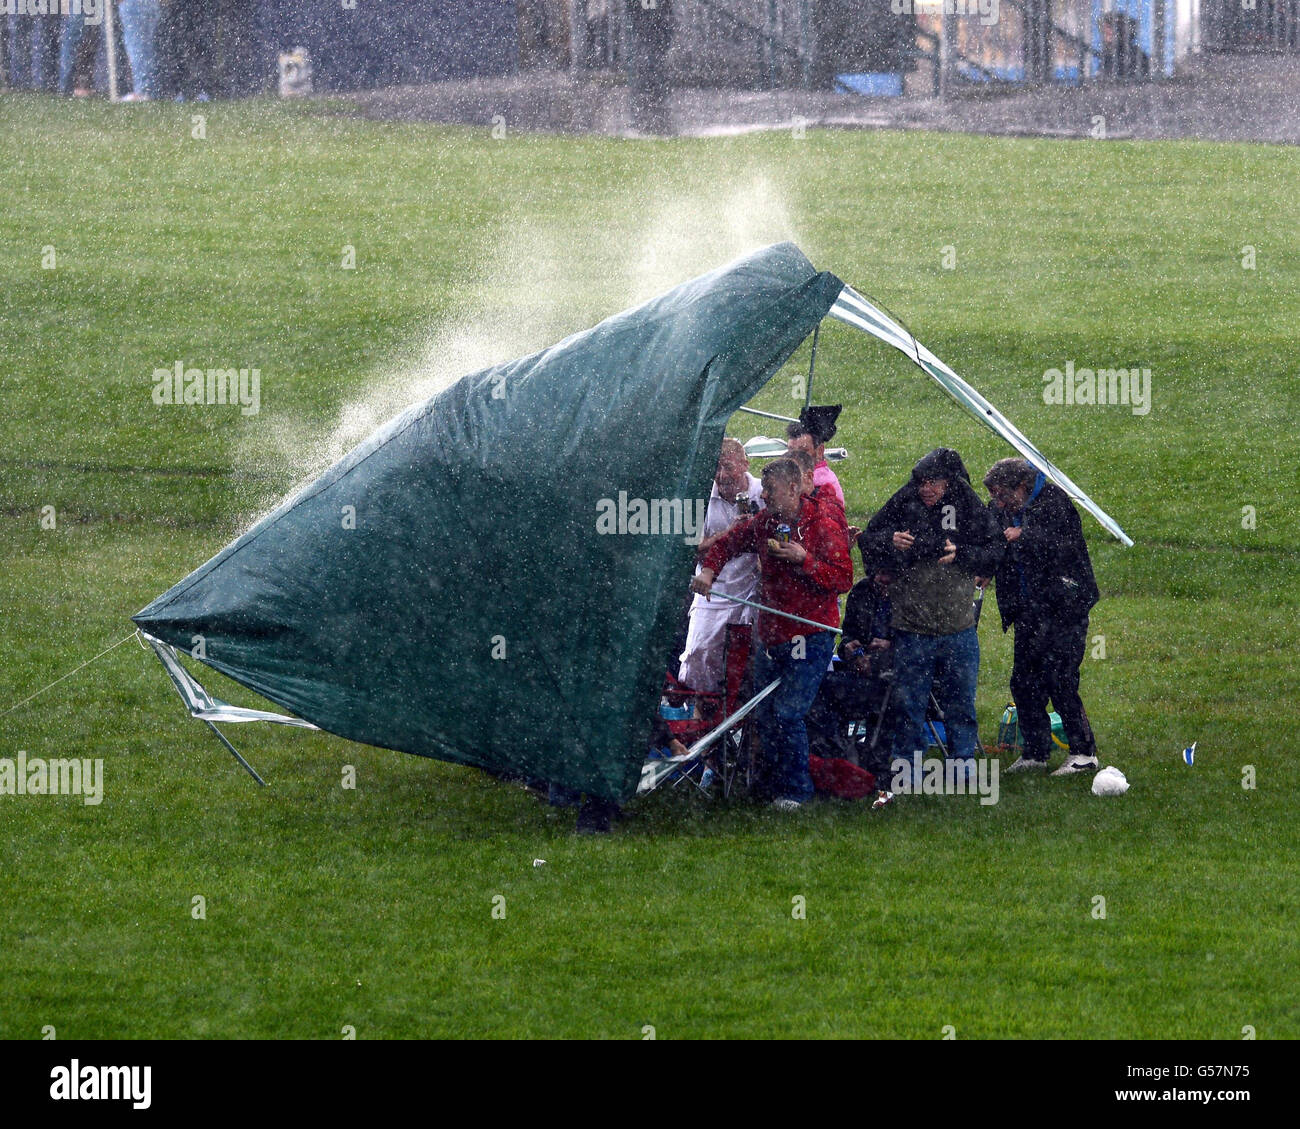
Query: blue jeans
[781, 715]
[139, 25]
[73, 29]
[949, 664]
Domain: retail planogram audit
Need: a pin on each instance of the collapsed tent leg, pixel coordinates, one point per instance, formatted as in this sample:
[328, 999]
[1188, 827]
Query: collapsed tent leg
[234, 752]
[812, 366]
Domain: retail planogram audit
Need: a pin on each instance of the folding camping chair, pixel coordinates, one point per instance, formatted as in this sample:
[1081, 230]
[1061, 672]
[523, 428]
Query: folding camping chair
[691, 714]
[868, 733]
[871, 738]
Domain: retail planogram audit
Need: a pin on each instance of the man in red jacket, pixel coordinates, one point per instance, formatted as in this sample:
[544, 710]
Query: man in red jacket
[805, 565]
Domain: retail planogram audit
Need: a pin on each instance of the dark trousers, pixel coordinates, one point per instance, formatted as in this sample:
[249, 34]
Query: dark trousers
[1047, 657]
[782, 725]
[187, 49]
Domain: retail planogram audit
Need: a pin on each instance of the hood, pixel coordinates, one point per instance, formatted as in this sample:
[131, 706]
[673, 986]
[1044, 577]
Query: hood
[942, 462]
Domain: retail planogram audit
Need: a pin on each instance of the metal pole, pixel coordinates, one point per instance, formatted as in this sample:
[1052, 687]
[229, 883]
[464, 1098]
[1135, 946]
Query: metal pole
[727, 722]
[618, 33]
[812, 364]
[110, 47]
[773, 611]
[805, 45]
[1159, 12]
[947, 52]
[653, 772]
[767, 415]
[577, 36]
[771, 44]
[234, 752]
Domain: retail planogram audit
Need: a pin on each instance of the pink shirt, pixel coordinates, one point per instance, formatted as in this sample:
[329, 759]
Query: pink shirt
[824, 476]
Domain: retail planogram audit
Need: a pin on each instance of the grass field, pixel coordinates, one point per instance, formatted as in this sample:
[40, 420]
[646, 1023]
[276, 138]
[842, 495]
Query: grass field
[372, 907]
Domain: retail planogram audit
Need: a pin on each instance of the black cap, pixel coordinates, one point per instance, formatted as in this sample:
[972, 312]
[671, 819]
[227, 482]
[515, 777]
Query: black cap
[819, 421]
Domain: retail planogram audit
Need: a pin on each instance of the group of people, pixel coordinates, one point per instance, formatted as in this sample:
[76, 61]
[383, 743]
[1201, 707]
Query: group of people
[925, 553]
[164, 48]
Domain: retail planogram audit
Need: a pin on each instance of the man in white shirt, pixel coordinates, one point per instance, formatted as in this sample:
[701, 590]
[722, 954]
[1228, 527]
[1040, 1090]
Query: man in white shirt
[703, 661]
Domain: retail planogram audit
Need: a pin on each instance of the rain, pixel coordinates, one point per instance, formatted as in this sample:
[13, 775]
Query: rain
[648, 519]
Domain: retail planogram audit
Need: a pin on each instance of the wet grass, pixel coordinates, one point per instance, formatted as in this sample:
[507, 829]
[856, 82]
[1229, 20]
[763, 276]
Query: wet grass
[373, 906]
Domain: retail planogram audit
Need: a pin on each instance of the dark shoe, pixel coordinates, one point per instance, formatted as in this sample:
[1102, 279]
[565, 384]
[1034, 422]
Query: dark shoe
[595, 816]
[558, 796]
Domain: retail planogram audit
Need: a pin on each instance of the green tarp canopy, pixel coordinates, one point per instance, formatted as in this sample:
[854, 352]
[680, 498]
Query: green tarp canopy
[495, 576]
[493, 601]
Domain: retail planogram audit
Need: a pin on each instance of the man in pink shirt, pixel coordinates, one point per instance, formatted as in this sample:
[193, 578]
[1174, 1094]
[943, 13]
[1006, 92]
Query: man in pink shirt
[816, 427]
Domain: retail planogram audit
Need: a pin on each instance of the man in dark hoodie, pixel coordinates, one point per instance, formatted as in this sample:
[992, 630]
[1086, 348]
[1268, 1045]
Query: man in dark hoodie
[934, 537]
[1046, 588]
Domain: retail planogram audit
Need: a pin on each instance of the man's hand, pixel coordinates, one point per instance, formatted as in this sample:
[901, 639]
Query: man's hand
[983, 581]
[855, 531]
[702, 582]
[903, 540]
[1012, 533]
[880, 645]
[949, 552]
[855, 654]
[790, 551]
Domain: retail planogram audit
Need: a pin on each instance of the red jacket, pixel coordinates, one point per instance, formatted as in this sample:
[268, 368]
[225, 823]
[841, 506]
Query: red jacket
[808, 589]
[834, 509]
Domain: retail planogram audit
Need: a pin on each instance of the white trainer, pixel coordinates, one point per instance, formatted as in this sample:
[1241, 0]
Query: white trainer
[1074, 764]
[1027, 764]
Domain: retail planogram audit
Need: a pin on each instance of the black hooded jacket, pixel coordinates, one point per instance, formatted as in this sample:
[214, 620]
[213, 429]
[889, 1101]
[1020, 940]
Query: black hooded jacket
[959, 516]
[1046, 571]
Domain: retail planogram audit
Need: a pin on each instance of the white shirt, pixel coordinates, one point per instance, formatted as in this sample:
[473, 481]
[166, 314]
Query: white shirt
[739, 576]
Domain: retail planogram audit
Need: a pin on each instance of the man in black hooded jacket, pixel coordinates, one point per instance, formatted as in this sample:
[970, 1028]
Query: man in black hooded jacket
[1046, 588]
[934, 537]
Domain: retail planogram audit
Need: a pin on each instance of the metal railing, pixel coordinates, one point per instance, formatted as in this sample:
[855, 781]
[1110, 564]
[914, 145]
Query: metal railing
[1251, 25]
[768, 45]
[1084, 50]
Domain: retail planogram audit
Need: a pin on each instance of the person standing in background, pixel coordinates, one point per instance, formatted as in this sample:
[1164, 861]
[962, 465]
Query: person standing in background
[816, 428]
[187, 46]
[933, 538]
[1046, 587]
